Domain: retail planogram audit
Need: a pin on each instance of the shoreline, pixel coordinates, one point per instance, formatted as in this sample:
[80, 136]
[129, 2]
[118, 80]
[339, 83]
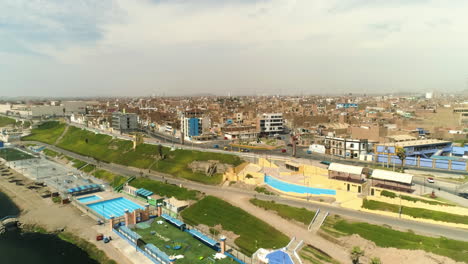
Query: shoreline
[41, 215]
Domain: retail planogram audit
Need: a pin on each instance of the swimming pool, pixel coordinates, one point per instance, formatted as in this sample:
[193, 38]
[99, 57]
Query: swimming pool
[88, 199]
[115, 207]
[288, 187]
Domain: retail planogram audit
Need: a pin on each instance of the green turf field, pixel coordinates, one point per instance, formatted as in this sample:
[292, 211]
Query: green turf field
[11, 154]
[191, 248]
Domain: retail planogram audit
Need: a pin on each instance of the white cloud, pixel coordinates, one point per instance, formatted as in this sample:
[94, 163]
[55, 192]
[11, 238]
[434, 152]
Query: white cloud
[274, 45]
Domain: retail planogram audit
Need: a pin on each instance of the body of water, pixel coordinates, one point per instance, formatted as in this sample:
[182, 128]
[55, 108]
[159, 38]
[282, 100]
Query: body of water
[35, 248]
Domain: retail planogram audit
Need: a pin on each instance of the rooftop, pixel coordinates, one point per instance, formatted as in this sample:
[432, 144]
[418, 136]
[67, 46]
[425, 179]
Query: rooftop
[416, 143]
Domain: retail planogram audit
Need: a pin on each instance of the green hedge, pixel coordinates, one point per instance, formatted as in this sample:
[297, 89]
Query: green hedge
[301, 215]
[416, 212]
[388, 194]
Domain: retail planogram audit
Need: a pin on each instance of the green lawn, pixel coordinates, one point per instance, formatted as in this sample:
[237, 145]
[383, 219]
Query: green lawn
[412, 199]
[88, 168]
[386, 237]
[11, 154]
[253, 232]
[78, 163]
[316, 256]
[50, 153]
[113, 179]
[416, 212]
[168, 235]
[164, 189]
[6, 121]
[47, 132]
[301, 215]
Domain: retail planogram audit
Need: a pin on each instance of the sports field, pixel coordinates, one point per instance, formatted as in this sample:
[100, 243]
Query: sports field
[165, 236]
[11, 154]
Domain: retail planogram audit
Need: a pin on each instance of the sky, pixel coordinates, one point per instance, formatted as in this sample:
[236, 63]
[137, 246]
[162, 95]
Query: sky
[237, 47]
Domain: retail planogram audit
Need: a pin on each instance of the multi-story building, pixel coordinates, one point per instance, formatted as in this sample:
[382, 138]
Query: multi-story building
[347, 147]
[272, 123]
[195, 126]
[124, 121]
[463, 115]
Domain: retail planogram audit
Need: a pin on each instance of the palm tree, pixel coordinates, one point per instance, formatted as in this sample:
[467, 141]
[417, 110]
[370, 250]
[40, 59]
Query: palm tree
[401, 153]
[356, 253]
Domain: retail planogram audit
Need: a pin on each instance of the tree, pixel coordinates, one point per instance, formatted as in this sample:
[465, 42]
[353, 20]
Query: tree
[401, 153]
[356, 253]
[160, 151]
[375, 260]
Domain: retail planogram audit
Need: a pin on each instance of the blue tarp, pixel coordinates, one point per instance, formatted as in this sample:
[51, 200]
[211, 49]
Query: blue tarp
[202, 237]
[279, 257]
[173, 220]
[84, 188]
[144, 192]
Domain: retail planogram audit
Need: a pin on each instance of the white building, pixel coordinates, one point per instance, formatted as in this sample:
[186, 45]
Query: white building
[347, 147]
[271, 123]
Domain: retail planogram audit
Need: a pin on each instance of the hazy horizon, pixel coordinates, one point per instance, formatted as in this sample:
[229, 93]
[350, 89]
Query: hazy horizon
[242, 47]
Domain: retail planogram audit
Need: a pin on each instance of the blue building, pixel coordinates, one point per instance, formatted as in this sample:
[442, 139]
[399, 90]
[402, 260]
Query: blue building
[415, 148]
[346, 105]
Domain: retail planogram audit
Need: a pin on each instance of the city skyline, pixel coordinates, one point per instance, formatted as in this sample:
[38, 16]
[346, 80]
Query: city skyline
[262, 47]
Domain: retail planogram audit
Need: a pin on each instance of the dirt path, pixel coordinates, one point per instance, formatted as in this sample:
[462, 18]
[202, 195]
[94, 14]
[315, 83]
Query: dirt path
[61, 136]
[290, 228]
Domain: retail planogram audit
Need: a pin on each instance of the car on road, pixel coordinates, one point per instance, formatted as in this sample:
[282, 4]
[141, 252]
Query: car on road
[430, 180]
[245, 150]
[325, 162]
[464, 195]
[283, 150]
[225, 148]
[216, 146]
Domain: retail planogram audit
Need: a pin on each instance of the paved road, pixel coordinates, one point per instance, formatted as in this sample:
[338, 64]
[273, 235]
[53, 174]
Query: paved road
[421, 228]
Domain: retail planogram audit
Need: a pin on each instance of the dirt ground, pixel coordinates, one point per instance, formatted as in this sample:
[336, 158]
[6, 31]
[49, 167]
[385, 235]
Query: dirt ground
[393, 255]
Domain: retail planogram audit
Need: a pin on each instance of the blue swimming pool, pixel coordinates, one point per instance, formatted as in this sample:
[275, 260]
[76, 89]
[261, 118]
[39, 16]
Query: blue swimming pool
[288, 187]
[88, 199]
[115, 207]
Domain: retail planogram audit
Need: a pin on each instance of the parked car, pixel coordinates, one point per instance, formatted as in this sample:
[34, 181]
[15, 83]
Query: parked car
[430, 180]
[216, 146]
[290, 145]
[225, 148]
[283, 150]
[309, 151]
[325, 162]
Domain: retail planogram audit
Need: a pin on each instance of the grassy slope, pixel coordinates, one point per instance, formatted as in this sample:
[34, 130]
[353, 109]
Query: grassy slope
[416, 212]
[105, 148]
[6, 121]
[113, 179]
[386, 237]
[301, 215]
[48, 132]
[50, 153]
[253, 232]
[164, 189]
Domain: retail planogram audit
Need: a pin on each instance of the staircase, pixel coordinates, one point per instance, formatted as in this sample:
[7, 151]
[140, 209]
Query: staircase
[293, 247]
[317, 221]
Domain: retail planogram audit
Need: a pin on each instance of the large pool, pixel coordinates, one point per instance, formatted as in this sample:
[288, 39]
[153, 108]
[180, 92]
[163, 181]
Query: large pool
[115, 207]
[88, 199]
[288, 187]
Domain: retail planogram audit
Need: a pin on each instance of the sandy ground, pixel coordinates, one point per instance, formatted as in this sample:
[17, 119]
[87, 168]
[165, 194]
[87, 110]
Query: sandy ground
[393, 255]
[43, 212]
